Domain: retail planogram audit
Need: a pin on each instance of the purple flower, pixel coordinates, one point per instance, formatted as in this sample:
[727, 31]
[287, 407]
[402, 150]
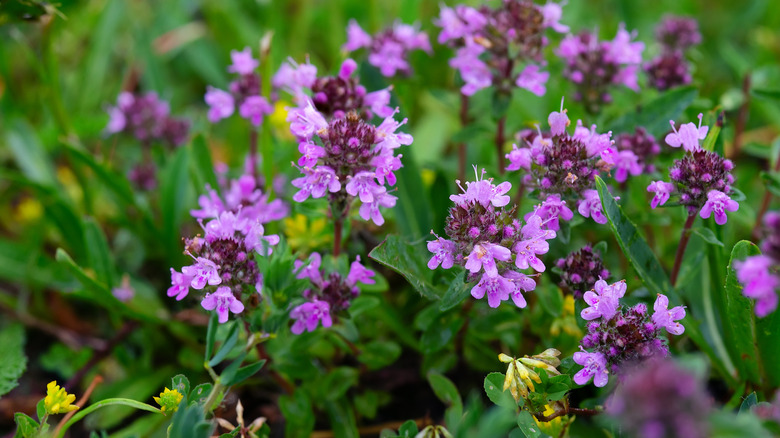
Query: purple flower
[527, 251]
[550, 210]
[483, 192]
[363, 185]
[308, 315]
[204, 271]
[310, 269]
[591, 206]
[356, 37]
[552, 13]
[256, 241]
[359, 273]
[622, 50]
[604, 301]
[662, 192]
[443, 251]
[125, 291]
[379, 102]
[484, 255]
[519, 158]
[221, 104]
[595, 367]
[306, 121]
[315, 183]
[496, 287]
[666, 318]
[533, 80]
[626, 163]
[388, 138]
[558, 121]
[254, 108]
[116, 120]
[222, 300]
[310, 153]
[474, 72]
[243, 63]
[688, 136]
[759, 282]
[522, 283]
[718, 203]
[459, 22]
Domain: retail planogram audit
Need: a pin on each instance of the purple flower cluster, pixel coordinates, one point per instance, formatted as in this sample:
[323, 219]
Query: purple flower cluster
[223, 256]
[595, 65]
[326, 294]
[491, 244]
[563, 167]
[621, 336]
[147, 118]
[347, 158]
[759, 273]
[701, 180]
[389, 49]
[332, 96]
[580, 270]
[660, 399]
[244, 92]
[501, 46]
[635, 153]
[670, 68]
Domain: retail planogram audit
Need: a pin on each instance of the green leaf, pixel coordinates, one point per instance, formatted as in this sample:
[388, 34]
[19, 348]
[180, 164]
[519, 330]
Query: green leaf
[363, 303]
[40, 408]
[739, 321]
[712, 136]
[407, 260]
[456, 292]
[13, 362]
[203, 163]
[766, 94]
[445, 390]
[230, 342]
[174, 185]
[500, 104]
[230, 371]
[655, 116]
[114, 182]
[211, 335]
[180, 383]
[408, 430]
[708, 236]
[26, 427]
[527, 425]
[297, 410]
[98, 252]
[633, 245]
[94, 290]
[379, 354]
[342, 419]
[747, 404]
[494, 388]
[768, 346]
[200, 393]
[190, 422]
[337, 382]
[29, 153]
[245, 372]
[412, 209]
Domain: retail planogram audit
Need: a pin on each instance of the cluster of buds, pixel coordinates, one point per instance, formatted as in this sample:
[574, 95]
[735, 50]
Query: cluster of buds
[490, 243]
[329, 293]
[661, 399]
[670, 68]
[169, 401]
[347, 158]
[223, 257]
[635, 153]
[619, 336]
[580, 270]
[57, 400]
[563, 167]
[332, 96]
[701, 180]
[502, 46]
[389, 49]
[521, 373]
[244, 92]
[759, 273]
[594, 66]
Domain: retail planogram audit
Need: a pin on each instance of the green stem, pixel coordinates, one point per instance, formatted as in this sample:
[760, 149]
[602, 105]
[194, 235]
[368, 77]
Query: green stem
[212, 396]
[712, 323]
[678, 258]
[103, 403]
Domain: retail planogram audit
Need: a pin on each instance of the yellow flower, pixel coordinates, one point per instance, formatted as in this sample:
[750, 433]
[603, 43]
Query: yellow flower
[169, 400]
[278, 120]
[557, 425]
[567, 321]
[58, 401]
[521, 374]
[303, 233]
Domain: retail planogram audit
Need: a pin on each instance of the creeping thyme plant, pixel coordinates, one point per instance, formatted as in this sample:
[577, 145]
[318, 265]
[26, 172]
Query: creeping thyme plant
[520, 218]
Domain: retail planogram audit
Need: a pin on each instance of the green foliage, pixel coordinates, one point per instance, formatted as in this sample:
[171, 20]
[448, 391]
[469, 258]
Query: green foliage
[13, 361]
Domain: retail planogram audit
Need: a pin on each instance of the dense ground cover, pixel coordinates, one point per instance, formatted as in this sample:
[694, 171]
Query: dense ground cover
[401, 218]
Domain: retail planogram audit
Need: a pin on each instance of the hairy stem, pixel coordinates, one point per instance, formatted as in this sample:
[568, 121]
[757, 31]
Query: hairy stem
[338, 225]
[686, 235]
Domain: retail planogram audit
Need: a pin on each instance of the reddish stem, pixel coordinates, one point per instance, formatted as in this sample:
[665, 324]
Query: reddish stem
[686, 235]
[338, 225]
[742, 115]
[500, 139]
[464, 121]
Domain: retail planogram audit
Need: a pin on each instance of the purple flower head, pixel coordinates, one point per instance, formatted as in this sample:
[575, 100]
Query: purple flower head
[760, 282]
[497, 289]
[484, 255]
[718, 203]
[359, 273]
[307, 121]
[622, 50]
[257, 241]
[483, 192]
[124, 293]
[203, 272]
[626, 163]
[552, 13]
[356, 37]
[558, 121]
[315, 183]
[459, 22]
[522, 283]
[551, 210]
[310, 153]
[687, 136]
[604, 301]
[443, 253]
[116, 120]
[642, 145]
[243, 63]
[221, 104]
[254, 108]
[475, 73]
[519, 158]
[308, 315]
[533, 80]
[148, 119]
[668, 70]
[527, 250]
[667, 318]
[580, 271]
[370, 210]
[310, 269]
[222, 300]
[662, 192]
[678, 33]
[591, 206]
[295, 78]
[363, 185]
[595, 367]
